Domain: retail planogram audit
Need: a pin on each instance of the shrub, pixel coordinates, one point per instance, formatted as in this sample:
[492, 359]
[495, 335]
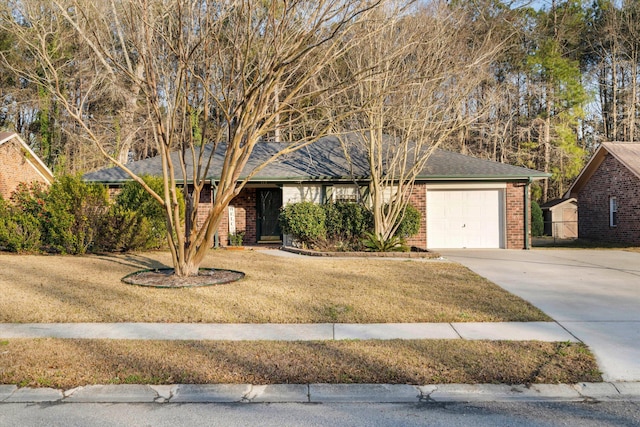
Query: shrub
[410, 223]
[537, 221]
[376, 243]
[347, 220]
[30, 199]
[305, 221]
[123, 230]
[19, 231]
[135, 207]
[74, 211]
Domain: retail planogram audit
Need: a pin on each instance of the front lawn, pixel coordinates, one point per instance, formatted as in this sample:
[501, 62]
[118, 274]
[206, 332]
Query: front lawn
[48, 289]
[279, 290]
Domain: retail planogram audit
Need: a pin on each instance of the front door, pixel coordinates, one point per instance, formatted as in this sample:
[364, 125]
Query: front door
[269, 204]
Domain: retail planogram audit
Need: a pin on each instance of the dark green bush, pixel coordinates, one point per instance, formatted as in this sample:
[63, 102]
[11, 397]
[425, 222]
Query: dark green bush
[537, 220]
[124, 230]
[23, 219]
[74, 211]
[305, 221]
[139, 219]
[19, 231]
[347, 220]
[410, 223]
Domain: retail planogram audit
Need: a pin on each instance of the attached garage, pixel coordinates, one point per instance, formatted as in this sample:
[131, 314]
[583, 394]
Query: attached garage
[465, 218]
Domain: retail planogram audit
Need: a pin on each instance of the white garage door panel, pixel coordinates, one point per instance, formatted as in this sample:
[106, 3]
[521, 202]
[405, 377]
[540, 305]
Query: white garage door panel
[464, 218]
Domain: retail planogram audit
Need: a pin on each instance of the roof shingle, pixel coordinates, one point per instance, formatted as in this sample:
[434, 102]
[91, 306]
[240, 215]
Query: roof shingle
[325, 161]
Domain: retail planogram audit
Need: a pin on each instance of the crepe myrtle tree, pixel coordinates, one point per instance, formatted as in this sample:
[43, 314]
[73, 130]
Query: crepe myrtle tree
[225, 73]
[413, 72]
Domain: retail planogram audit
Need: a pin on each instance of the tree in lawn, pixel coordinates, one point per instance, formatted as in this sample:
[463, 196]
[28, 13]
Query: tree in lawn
[420, 66]
[222, 72]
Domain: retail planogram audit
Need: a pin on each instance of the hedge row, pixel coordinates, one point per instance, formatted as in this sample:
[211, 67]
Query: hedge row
[75, 217]
[338, 226]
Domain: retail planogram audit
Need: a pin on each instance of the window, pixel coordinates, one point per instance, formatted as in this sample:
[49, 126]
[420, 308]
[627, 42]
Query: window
[613, 212]
[345, 193]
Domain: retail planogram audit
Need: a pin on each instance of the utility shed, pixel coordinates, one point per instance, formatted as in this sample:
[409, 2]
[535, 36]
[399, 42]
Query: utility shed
[561, 218]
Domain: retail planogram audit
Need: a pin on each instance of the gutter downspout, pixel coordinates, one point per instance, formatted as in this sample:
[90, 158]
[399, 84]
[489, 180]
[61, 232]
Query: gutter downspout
[216, 236]
[527, 243]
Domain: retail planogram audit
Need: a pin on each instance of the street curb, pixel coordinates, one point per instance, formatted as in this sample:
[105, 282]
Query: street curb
[325, 393]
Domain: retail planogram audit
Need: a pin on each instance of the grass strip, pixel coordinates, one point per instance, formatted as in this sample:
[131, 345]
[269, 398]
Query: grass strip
[68, 363]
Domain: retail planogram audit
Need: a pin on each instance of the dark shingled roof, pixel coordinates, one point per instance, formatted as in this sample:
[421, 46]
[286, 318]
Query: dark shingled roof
[555, 202]
[325, 161]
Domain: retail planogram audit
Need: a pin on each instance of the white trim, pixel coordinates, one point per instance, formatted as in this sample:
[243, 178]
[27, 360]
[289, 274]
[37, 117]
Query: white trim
[467, 186]
[33, 155]
[613, 211]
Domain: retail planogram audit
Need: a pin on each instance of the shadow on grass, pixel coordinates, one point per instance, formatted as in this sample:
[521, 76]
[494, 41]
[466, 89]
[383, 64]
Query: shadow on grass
[133, 260]
[82, 362]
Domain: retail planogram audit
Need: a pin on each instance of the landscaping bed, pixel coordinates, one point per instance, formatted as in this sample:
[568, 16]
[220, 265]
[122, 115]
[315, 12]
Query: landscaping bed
[414, 253]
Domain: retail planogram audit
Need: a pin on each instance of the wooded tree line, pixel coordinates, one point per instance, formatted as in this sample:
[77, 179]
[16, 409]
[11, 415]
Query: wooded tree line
[566, 79]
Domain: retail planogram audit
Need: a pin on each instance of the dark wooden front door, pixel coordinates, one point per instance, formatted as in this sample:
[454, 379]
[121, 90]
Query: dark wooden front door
[269, 204]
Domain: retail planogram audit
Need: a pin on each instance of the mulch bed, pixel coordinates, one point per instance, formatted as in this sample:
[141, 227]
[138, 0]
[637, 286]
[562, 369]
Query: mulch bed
[164, 278]
[415, 253]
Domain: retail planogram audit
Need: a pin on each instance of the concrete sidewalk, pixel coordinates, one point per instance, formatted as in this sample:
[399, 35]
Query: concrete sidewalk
[519, 331]
[324, 393]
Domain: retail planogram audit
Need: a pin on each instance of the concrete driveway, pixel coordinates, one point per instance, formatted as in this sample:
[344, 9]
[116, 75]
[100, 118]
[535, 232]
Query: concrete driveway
[594, 294]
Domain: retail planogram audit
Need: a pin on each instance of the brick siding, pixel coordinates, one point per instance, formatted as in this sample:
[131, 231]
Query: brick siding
[611, 179]
[419, 201]
[246, 217]
[15, 168]
[514, 216]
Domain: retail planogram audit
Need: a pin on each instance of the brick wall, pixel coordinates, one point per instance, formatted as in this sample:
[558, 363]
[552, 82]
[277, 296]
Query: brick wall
[15, 168]
[514, 216]
[419, 201]
[246, 217]
[611, 179]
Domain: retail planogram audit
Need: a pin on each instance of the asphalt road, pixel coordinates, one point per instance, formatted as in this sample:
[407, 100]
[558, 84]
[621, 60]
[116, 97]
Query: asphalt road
[617, 414]
[593, 294]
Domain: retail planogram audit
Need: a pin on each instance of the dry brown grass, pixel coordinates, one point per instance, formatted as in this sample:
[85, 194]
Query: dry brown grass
[278, 290]
[70, 363]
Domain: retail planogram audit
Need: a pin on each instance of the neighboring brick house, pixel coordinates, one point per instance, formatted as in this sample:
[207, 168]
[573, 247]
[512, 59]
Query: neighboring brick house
[19, 164]
[465, 202]
[608, 194]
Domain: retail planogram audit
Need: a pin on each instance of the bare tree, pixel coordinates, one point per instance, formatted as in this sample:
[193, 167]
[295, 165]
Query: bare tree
[420, 67]
[212, 77]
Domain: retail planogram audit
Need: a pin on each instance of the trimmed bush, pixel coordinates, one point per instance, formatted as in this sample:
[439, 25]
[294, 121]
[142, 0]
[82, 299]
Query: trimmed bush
[410, 223]
[305, 221]
[347, 220]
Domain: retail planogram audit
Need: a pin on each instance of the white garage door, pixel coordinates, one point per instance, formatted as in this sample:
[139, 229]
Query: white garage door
[465, 218]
